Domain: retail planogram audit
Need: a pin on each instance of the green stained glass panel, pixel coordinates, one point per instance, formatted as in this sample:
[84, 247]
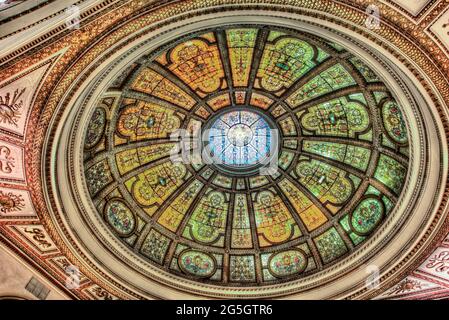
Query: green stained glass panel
[326, 182]
[379, 96]
[372, 190]
[388, 204]
[336, 118]
[355, 156]
[386, 142]
[208, 220]
[322, 55]
[391, 173]
[330, 245]
[356, 180]
[241, 229]
[355, 238]
[286, 159]
[155, 246]
[367, 136]
[284, 62]
[367, 215]
[242, 268]
[273, 35]
[241, 48]
[366, 72]
[336, 46]
[394, 122]
[332, 79]
[358, 97]
[405, 151]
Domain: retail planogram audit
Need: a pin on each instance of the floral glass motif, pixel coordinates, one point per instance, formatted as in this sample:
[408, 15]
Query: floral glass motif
[311, 216]
[120, 217]
[198, 64]
[219, 102]
[326, 182]
[260, 101]
[367, 216]
[283, 62]
[151, 82]
[336, 118]
[172, 216]
[287, 263]
[196, 263]
[275, 223]
[288, 127]
[95, 129]
[240, 138]
[153, 186]
[394, 122]
[147, 121]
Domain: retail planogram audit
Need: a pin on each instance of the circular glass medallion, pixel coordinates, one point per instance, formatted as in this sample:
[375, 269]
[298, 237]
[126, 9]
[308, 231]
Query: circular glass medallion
[240, 140]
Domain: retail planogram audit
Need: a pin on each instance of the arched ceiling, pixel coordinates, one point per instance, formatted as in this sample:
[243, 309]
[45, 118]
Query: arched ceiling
[88, 177]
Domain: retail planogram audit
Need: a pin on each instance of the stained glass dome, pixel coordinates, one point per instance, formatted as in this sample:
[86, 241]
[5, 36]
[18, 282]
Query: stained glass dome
[341, 146]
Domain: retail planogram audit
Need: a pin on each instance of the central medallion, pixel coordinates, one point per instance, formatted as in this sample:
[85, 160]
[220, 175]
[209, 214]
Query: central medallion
[240, 141]
[240, 135]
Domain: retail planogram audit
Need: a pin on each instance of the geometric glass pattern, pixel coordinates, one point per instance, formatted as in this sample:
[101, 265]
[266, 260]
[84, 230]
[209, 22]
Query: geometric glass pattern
[340, 137]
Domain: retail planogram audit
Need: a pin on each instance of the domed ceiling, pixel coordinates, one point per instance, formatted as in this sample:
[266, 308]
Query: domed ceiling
[227, 148]
[334, 136]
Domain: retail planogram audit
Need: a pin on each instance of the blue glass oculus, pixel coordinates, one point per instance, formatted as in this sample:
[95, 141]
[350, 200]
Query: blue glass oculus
[240, 139]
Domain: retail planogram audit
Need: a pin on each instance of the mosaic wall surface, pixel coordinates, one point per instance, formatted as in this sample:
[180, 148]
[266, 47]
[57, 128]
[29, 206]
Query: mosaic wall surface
[343, 156]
